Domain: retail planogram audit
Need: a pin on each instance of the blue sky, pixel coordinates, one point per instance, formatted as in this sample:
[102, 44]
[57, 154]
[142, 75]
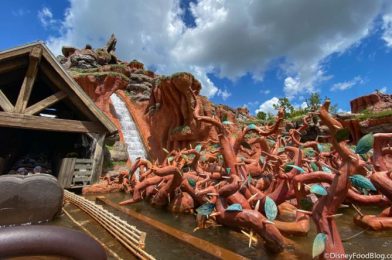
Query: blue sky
[243, 53]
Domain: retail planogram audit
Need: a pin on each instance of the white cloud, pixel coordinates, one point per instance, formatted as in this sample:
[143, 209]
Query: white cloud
[224, 94]
[238, 37]
[145, 31]
[384, 90]
[231, 38]
[45, 16]
[343, 111]
[265, 91]
[304, 105]
[387, 25]
[292, 87]
[347, 84]
[267, 106]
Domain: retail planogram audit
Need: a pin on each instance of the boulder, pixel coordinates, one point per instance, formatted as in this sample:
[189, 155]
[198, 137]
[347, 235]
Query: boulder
[374, 102]
[119, 152]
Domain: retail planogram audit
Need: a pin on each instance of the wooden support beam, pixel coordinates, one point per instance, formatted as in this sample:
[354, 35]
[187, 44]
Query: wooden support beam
[51, 77]
[41, 105]
[49, 124]
[12, 65]
[5, 104]
[97, 156]
[28, 82]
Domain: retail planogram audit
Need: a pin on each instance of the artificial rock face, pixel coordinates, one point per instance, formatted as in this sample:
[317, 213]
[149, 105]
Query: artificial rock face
[375, 102]
[161, 106]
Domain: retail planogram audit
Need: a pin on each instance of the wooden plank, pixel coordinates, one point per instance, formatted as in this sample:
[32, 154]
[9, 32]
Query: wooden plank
[81, 179]
[80, 168]
[84, 166]
[12, 65]
[28, 82]
[84, 161]
[97, 156]
[208, 247]
[49, 124]
[16, 52]
[5, 104]
[70, 170]
[66, 172]
[50, 75]
[81, 174]
[41, 105]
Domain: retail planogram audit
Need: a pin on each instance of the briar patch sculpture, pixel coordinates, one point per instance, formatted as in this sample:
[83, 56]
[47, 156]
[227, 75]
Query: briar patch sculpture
[253, 179]
[265, 180]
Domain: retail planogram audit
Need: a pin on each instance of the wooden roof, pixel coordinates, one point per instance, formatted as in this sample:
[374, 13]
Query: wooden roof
[38, 59]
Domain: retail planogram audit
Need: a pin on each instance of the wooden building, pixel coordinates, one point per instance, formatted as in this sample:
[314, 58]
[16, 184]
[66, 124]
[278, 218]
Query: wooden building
[45, 116]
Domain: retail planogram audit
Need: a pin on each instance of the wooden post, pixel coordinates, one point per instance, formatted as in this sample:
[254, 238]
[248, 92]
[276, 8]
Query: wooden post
[5, 104]
[28, 82]
[97, 156]
[41, 105]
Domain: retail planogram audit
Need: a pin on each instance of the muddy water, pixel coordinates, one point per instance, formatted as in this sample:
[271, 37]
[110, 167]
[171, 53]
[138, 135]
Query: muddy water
[164, 247]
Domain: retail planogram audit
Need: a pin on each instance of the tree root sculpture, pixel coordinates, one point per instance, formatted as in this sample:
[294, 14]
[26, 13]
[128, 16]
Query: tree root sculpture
[242, 179]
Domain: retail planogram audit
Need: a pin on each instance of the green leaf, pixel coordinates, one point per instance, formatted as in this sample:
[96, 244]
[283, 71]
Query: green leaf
[198, 148]
[228, 170]
[281, 149]
[319, 244]
[326, 169]
[246, 145]
[205, 209]
[270, 209]
[236, 207]
[314, 166]
[320, 147]
[364, 156]
[342, 135]
[252, 126]
[296, 167]
[184, 157]
[271, 142]
[226, 122]
[249, 179]
[262, 159]
[170, 158]
[365, 144]
[306, 203]
[362, 182]
[309, 152]
[318, 189]
[287, 167]
[192, 182]
[165, 150]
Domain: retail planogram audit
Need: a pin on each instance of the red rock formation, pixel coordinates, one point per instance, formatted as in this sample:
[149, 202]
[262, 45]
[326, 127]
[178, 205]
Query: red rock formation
[170, 112]
[374, 102]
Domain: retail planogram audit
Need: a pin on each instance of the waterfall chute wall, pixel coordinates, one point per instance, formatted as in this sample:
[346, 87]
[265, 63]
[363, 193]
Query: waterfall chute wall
[129, 129]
